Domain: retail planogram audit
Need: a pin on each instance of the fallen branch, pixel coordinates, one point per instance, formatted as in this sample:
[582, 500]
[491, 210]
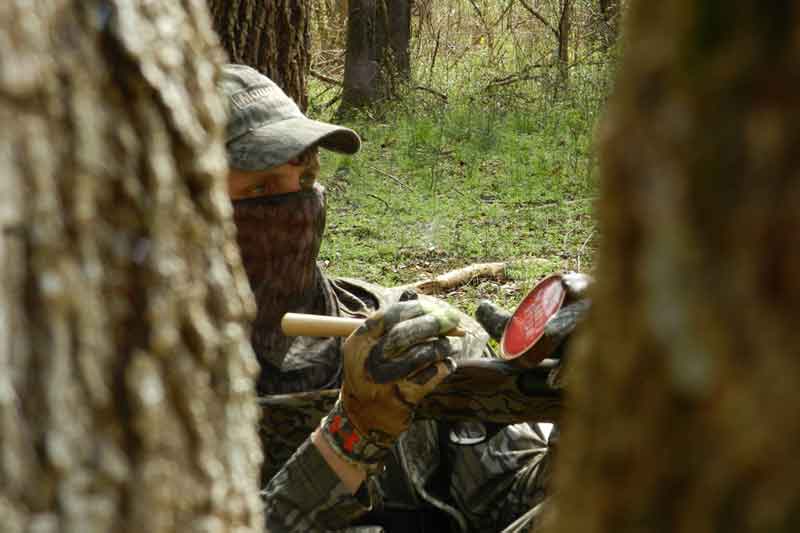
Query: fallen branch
[458, 277]
[517, 77]
[325, 78]
[432, 91]
[385, 203]
[332, 101]
[560, 203]
[524, 74]
[462, 276]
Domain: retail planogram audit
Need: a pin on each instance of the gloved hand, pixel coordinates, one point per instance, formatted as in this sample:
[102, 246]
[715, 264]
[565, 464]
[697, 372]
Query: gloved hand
[558, 328]
[390, 363]
[494, 318]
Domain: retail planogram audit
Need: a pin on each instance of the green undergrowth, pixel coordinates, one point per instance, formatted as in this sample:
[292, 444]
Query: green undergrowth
[439, 186]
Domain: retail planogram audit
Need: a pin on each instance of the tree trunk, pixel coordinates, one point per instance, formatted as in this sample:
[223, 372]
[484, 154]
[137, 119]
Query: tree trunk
[126, 399]
[361, 84]
[378, 40]
[271, 36]
[564, 28]
[684, 396]
[396, 56]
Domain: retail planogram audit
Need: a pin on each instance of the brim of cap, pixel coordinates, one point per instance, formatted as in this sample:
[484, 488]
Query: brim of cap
[277, 143]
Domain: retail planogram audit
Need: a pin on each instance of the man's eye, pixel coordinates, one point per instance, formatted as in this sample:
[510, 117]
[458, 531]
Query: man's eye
[257, 190]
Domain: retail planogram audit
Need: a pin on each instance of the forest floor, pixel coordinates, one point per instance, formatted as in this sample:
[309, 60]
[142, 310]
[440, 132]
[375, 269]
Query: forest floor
[438, 186]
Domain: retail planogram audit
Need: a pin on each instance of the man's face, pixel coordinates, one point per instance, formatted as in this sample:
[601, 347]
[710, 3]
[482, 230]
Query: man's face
[276, 180]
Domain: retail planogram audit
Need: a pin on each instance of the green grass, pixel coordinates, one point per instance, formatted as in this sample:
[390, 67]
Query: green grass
[482, 178]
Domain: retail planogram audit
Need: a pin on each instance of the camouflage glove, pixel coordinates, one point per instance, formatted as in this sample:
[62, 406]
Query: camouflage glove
[390, 363]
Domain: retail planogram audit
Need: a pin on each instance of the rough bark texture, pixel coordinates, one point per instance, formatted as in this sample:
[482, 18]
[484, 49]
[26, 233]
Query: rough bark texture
[684, 410]
[271, 36]
[377, 59]
[126, 398]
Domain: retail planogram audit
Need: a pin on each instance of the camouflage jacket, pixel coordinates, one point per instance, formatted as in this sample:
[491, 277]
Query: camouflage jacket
[481, 487]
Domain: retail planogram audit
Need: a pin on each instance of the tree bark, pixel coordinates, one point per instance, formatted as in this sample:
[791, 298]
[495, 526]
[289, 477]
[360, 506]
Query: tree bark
[272, 36]
[361, 83]
[683, 413]
[564, 29]
[396, 55]
[377, 60]
[126, 398]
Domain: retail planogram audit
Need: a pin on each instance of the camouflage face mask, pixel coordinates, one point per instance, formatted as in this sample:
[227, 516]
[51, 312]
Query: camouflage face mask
[279, 238]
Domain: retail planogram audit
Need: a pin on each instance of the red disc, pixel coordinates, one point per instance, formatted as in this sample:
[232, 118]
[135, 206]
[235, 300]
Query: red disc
[528, 321]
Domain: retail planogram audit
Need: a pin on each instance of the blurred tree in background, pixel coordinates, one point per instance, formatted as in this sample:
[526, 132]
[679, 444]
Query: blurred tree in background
[561, 31]
[126, 397]
[515, 47]
[685, 400]
[377, 58]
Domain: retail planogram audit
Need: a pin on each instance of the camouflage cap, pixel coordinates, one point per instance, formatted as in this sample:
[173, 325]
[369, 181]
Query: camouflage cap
[265, 126]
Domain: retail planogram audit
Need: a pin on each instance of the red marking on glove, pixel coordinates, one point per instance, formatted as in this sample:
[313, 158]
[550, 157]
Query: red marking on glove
[350, 441]
[336, 424]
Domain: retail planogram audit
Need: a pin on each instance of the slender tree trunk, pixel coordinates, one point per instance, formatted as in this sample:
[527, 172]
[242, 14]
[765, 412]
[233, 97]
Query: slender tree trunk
[126, 399]
[684, 398]
[564, 30]
[271, 36]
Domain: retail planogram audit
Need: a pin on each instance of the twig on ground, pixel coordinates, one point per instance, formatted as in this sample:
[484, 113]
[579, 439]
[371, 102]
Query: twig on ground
[523, 75]
[379, 199]
[460, 193]
[561, 202]
[391, 177]
[432, 91]
[325, 78]
[332, 101]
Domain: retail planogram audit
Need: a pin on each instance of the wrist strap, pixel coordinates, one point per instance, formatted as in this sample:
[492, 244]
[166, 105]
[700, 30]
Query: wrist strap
[352, 445]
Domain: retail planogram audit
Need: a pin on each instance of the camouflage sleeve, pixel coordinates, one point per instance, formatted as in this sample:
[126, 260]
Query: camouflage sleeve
[307, 495]
[497, 482]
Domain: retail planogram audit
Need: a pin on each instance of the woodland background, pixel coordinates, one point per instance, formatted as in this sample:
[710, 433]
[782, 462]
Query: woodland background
[126, 398]
[478, 128]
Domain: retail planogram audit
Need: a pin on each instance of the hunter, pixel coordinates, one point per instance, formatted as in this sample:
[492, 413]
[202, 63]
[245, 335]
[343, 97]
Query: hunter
[367, 462]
